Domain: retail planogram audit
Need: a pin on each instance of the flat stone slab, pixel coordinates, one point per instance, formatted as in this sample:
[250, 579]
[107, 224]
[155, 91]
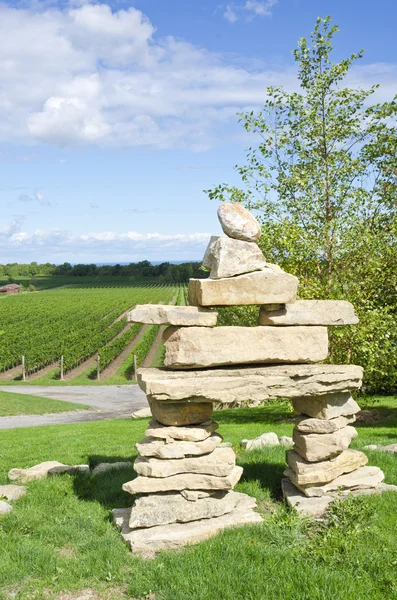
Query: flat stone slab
[175, 448]
[310, 312]
[160, 314]
[195, 347]
[105, 467]
[12, 492]
[44, 469]
[310, 507]
[220, 462]
[189, 433]
[5, 507]
[185, 481]
[327, 406]
[327, 470]
[180, 413]
[310, 425]
[237, 222]
[164, 509]
[253, 384]
[266, 439]
[361, 478]
[146, 542]
[226, 257]
[315, 447]
[268, 286]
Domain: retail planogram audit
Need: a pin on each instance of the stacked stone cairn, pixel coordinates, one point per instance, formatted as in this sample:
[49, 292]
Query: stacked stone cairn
[186, 474]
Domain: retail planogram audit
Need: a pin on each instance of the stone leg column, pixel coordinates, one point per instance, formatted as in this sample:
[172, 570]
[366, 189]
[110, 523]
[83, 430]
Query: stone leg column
[321, 466]
[186, 477]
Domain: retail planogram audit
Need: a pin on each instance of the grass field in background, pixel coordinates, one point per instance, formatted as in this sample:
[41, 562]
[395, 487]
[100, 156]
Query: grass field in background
[12, 404]
[60, 536]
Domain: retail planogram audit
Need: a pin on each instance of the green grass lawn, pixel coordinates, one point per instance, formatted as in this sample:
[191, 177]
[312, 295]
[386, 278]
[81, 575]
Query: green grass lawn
[60, 538]
[12, 404]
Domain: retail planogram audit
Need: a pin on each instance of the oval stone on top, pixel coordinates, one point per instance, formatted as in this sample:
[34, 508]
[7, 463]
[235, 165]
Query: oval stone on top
[237, 222]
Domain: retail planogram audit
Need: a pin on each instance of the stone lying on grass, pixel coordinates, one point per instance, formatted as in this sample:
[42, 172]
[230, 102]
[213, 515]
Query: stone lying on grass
[45, 469]
[254, 384]
[310, 312]
[286, 441]
[5, 507]
[159, 314]
[268, 286]
[226, 257]
[266, 439]
[104, 467]
[327, 407]
[186, 481]
[237, 222]
[362, 478]
[146, 542]
[163, 509]
[12, 492]
[311, 507]
[315, 447]
[190, 433]
[310, 425]
[191, 347]
[177, 449]
[326, 470]
[179, 414]
[220, 462]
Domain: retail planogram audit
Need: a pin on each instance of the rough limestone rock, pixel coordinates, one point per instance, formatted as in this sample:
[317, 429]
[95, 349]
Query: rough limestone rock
[44, 469]
[178, 449]
[310, 312]
[163, 509]
[186, 481]
[286, 441]
[391, 448]
[320, 446]
[237, 222]
[362, 478]
[327, 407]
[160, 314]
[305, 425]
[226, 257]
[12, 492]
[266, 439]
[220, 462]
[142, 413]
[309, 507]
[191, 347]
[146, 542]
[194, 495]
[270, 285]
[253, 384]
[105, 467]
[5, 507]
[327, 470]
[180, 413]
[190, 433]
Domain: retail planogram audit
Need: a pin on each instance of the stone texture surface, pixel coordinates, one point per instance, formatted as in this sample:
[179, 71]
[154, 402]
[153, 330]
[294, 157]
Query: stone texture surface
[327, 470]
[142, 413]
[177, 449]
[163, 509]
[12, 492]
[5, 507]
[266, 439]
[315, 447]
[362, 478]
[305, 425]
[220, 462]
[194, 495]
[253, 384]
[180, 413]
[105, 467]
[172, 315]
[226, 257]
[44, 469]
[190, 433]
[191, 347]
[311, 312]
[237, 222]
[146, 542]
[186, 481]
[286, 441]
[270, 285]
[310, 507]
[327, 407]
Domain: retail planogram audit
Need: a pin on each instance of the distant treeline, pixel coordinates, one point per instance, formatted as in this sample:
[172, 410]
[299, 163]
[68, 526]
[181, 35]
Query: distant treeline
[166, 272]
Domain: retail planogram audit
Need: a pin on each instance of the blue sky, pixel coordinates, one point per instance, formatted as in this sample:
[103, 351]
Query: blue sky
[115, 117]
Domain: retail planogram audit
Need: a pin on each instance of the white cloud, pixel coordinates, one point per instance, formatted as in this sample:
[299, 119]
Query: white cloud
[37, 197]
[251, 9]
[260, 8]
[230, 14]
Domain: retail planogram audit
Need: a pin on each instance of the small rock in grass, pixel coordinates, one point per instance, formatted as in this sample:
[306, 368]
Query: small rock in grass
[44, 469]
[4, 507]
[103, 467]
[266, 439]
[370, 447]
[286, 441]
[12, 492]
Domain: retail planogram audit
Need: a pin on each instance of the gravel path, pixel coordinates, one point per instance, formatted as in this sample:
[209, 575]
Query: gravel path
[107, 402]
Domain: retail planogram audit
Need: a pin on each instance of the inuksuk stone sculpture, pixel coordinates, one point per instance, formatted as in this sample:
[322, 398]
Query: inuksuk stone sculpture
[186, 474]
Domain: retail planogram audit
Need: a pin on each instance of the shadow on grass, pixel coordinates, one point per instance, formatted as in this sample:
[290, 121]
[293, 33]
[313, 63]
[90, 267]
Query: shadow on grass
[270, 413]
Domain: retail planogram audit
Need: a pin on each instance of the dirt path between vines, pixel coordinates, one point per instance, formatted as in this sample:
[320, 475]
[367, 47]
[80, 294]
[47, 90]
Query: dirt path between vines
[153, 349]
[118, 361]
